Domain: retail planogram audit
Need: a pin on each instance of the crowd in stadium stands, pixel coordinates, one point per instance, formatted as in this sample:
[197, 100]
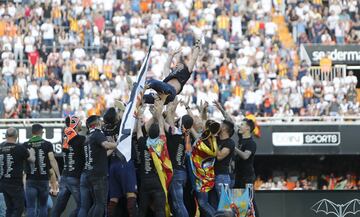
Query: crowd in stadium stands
[324, 182]
[75, 56]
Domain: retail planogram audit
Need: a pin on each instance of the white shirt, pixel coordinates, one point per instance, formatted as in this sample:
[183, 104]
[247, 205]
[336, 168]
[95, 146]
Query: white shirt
[9, 103]
[59, 92]
[108, 5]
[236, 26]
[158, 41]
[307, 81]
[46, 93]
[270, 28]
[329, 92]
[250, 97]
[174, 45]
[29, 44]
[48, 30]
[32, 90]
[165, 23]
[332, 21]
[351, 79]
[79, 53]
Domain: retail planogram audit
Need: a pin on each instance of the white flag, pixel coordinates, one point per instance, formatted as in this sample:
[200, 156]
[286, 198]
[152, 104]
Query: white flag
[128, 119]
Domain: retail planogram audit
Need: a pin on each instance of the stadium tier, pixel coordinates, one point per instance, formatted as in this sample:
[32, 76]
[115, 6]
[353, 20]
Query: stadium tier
[185, 108]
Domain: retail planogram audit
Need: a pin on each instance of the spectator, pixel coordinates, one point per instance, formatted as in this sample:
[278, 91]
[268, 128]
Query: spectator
[3, 91]
[48, 33]
[296, 102]
[32, 94]
[10, 106]
[46, 95]
[95, 42]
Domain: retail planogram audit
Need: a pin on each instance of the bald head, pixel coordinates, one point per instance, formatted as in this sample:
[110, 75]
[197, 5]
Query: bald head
[11, 134]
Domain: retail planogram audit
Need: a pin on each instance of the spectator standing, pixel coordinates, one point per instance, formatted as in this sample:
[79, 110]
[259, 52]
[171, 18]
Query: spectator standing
[296, 102]
[223, 25]
[3, 94]
[10, 105]
[46, 95]
[48, 33]
[8, 72]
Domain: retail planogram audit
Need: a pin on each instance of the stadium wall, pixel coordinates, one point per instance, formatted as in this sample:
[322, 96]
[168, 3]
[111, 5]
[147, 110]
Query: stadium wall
[275, 139]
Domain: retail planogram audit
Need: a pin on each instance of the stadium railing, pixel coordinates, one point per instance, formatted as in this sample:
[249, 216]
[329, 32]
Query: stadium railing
[336, 71]
[265, 121]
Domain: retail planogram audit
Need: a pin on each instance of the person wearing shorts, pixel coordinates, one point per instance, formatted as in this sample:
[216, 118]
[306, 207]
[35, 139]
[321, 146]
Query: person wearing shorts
[122, 174]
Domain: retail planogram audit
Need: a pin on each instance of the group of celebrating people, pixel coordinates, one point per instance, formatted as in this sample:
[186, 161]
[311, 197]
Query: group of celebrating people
[175, 160]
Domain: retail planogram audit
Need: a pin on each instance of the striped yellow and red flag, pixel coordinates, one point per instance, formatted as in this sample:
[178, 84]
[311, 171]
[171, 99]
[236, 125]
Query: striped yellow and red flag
[202, 162]
[160, 155]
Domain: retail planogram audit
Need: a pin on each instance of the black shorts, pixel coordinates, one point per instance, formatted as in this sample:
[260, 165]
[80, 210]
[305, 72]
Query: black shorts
[181, 73]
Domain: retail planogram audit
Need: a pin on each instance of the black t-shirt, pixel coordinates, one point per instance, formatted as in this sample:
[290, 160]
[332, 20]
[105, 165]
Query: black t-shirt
[40, 169]
[74, 157]
[176, 148]
[96, 163]
[147, 167]
[223, 166]
[12, 157]
[245, 168]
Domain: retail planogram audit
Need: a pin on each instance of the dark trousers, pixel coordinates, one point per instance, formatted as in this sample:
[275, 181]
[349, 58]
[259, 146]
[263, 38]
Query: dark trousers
[93, 196]
[176, 191]
[160, 87]
[37, 193]
[68, 186]
[85, 196]
[151, 195]
[14, 199]
[99, 191]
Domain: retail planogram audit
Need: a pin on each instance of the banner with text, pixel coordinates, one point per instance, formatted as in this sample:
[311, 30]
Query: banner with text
[339, 54]
[308, 139]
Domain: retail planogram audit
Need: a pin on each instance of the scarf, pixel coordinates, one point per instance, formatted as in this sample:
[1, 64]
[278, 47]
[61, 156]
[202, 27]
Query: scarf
[70, 133]
[34, 139]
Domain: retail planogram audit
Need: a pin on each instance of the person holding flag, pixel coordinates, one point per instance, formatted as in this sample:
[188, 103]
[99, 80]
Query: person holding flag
[202, 166]
[156, 169]
[122, 175]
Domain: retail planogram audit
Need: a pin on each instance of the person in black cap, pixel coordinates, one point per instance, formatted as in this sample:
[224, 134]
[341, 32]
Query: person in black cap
[93, 181]
[37, 174]
[12, 157]
[122, 175]
[74, 160]
[175, 81]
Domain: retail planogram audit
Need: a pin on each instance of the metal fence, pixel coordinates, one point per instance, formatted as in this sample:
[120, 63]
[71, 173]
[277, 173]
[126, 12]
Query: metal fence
[336, 71]
[262, 121]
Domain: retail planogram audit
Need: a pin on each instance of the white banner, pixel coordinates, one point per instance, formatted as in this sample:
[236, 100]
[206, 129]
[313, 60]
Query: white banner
[128, 118]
